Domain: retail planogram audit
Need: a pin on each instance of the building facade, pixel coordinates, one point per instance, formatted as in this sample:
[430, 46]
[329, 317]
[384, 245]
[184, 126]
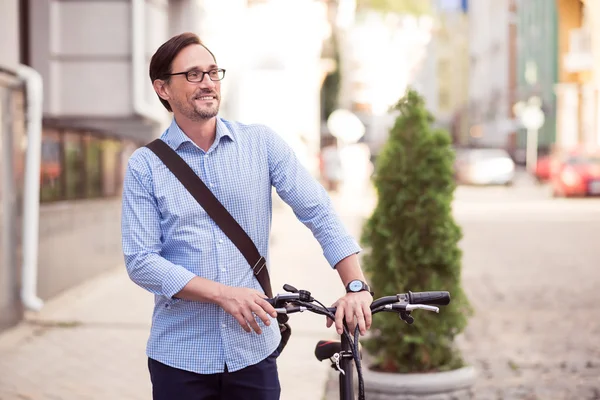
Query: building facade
[577, 90]
[490, 116]
[382, 55]
[453, 70]
[537, 67]
[97, 106]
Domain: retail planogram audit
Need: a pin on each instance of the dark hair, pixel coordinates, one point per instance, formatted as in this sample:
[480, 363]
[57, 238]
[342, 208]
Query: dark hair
[162, 60]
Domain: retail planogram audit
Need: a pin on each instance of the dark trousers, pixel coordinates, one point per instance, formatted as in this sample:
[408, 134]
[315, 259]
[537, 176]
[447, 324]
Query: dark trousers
[256, 382]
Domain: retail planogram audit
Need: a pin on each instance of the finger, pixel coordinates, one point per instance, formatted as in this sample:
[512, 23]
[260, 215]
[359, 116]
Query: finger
[339, 319]
[368, 315]
[351, 321]
[266, 306]
[260, 313]
[329, 322]
[248, 316]
[242, 321]
[360, 319]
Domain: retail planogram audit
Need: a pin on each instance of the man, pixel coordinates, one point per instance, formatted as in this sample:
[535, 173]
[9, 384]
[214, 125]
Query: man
[213, 335]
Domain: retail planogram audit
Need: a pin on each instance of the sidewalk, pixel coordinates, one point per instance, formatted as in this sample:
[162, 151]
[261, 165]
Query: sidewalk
[89, 343]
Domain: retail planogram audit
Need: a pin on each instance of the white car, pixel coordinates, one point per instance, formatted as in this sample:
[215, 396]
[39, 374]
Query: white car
[485, 167]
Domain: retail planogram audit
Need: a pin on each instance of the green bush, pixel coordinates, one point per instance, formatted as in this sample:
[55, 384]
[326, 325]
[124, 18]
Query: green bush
[411, 243]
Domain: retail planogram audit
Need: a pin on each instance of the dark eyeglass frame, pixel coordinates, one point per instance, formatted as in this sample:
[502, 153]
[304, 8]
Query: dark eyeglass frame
[202, 73]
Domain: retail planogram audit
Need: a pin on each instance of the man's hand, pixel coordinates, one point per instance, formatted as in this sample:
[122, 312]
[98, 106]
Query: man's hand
[243, 304]
[354, 308]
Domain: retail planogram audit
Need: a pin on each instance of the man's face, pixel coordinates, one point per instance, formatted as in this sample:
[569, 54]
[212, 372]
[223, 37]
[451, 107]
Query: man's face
[196, 101]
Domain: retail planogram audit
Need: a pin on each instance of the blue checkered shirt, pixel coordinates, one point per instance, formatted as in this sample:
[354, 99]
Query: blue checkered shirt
[168, 238]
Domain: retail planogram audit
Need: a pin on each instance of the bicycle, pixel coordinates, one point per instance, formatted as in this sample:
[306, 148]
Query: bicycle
[346, 351]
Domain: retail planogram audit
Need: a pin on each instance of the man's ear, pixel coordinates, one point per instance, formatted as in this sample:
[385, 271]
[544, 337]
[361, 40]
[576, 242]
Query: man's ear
[162, 89]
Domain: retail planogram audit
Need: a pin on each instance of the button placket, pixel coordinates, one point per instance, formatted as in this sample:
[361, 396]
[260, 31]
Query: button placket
[210, 183]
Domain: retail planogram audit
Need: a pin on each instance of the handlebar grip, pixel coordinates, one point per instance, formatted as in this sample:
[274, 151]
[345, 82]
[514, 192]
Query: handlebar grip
[434, 298]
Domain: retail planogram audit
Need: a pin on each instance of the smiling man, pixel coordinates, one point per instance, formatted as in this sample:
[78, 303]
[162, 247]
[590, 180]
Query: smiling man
[213, 335]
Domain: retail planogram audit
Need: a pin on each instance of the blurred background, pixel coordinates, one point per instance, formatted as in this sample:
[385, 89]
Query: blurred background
[515, 83]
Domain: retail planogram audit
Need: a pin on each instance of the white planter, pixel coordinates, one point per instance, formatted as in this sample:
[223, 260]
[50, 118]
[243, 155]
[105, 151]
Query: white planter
[451, 385]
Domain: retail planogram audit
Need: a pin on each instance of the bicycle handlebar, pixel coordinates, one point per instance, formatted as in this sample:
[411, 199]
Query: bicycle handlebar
[301, 300]
[401, 302]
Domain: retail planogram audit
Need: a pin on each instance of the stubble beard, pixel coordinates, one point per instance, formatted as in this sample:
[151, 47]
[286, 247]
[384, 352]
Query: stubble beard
[204, 113]
[196, 113]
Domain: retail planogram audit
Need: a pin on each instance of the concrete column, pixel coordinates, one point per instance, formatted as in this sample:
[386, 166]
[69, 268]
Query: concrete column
[597, 120]
[593, 15]
[588, 114]
[567, 115]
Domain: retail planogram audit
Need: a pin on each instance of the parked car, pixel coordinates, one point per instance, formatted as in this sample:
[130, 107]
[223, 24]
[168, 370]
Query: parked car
[577, 173]
[484, 166]
[543, 168]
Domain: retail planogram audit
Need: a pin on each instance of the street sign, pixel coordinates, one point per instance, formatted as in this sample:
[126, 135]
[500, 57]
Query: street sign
[532, 117]
[345, 126]
[530, 113]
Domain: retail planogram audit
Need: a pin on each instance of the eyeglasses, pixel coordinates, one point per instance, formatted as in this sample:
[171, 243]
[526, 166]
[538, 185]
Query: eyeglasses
[198, 76]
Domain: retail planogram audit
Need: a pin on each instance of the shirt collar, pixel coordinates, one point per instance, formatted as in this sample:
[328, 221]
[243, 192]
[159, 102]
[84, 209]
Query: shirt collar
[175, 137]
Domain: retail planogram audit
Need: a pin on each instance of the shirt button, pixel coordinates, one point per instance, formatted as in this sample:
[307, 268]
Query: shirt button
[223, 326]
[220, 240]
[223, 269]
[212, 185]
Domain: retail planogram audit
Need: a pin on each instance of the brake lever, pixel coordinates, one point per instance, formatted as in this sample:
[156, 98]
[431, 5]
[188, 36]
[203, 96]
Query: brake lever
[410, 307]
[405, 314]
[290, 310]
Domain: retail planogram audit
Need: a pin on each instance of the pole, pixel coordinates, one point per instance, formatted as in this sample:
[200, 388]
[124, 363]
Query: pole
[532, 150]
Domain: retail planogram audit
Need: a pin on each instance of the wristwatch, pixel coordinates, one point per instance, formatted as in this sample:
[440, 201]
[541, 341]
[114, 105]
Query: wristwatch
[356, 286]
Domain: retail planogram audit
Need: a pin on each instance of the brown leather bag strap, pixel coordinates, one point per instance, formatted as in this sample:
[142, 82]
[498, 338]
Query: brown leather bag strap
[215, 210]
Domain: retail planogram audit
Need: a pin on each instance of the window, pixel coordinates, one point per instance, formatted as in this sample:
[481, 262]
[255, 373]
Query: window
[51, 186]
[81, 165]
[110, 167]
[444, 99]
[74, 172]
[93, 167]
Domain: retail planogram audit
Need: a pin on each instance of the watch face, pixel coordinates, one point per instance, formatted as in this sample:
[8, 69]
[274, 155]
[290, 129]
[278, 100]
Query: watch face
[355, 286]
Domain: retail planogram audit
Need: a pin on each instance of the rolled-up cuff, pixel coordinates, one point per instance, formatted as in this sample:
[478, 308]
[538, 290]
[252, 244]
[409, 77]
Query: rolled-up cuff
[340, 249]
[176, 279]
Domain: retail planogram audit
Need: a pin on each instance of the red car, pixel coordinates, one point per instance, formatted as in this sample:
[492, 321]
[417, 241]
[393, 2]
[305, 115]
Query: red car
[543, 168]
[576, 174]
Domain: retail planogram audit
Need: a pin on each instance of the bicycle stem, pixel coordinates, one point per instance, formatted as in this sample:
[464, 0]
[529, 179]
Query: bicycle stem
[346, 380]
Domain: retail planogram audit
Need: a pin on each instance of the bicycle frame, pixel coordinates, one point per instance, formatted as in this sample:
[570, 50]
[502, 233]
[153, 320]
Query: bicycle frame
[346, 380]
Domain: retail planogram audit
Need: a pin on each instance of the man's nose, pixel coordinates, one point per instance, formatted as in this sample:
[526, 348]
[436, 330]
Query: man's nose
[207, 82]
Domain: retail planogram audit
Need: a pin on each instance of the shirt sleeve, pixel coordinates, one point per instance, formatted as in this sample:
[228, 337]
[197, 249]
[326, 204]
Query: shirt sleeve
[308, 199]
[141, 235]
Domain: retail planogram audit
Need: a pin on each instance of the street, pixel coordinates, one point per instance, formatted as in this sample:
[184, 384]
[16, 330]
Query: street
[530, 268]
